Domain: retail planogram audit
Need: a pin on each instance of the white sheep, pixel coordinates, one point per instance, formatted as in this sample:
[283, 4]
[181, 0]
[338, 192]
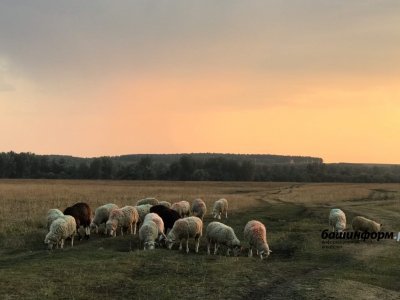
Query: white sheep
[156, 219]
[143, 210]
[148, 200]
[165, 203]
[101, 216]
[148, 234]
[182, 208]
[190, 227]
[220, 207]
[125, 217]
[255, 235]
[199, 208]
[53, 214]
[62, 228]
[363, 224]
[221, 234]
[337, 220]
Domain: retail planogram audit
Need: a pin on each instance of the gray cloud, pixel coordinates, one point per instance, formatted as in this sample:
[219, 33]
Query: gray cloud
[80, 42]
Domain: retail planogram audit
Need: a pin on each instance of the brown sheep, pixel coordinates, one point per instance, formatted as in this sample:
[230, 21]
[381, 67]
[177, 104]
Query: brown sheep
[82, 213]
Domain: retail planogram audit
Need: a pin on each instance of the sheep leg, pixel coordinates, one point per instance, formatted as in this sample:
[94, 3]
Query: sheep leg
[228, 252]
[216, 248]
[87, 232]
[187, 245]
[197, 244]
[226, 214]
[62, 244]
[134, 229]
[72, 241]
[180, 245]
[208, 247]
[78, 232]
[250, 252]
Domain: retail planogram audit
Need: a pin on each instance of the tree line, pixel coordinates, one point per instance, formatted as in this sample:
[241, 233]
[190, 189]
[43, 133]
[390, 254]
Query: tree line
[190, 167]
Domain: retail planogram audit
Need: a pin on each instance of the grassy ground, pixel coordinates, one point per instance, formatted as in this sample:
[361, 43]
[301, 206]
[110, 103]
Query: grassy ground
[114, 268]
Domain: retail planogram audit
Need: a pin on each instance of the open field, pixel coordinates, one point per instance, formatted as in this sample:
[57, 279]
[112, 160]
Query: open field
[114, 268]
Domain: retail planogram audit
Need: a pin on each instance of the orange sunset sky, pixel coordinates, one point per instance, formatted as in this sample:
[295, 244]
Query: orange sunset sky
[303, 77]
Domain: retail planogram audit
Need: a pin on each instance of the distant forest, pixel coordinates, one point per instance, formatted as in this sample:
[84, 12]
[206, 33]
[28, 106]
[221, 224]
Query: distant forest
[196, 167]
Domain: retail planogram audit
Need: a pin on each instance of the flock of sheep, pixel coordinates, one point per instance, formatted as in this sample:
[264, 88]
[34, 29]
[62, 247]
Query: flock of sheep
[163, 223]
[159, 223]
[337, 221]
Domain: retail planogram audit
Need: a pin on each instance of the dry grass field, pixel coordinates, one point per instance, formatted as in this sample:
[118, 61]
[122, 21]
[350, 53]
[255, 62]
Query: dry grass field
[114, 268]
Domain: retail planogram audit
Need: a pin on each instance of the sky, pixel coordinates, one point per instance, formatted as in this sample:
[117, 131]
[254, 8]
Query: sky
[302, 77]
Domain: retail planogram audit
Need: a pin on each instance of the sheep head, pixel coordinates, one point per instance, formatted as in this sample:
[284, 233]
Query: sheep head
[264, 254]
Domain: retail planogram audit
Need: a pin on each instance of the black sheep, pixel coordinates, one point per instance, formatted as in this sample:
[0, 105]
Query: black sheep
[82, 214]
[169, 216]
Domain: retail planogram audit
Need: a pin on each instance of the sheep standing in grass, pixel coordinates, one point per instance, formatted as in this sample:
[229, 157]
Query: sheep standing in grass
[83, 216]
[182, 207]
[190, 227]
[62, 228]
[363, 224]
[255, 235]
[221, 234]
[199, 208]
[143, 210]
[156, 219]
[152, 201]
[337, 220]
[125, 217]
[53, 214]
[148, 234]
[220, 207]
[169, 216]
[101, 216]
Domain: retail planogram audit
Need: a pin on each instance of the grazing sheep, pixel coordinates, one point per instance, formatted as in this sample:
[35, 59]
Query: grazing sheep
[101, 216]
[152, 201]
[125, 217]
[190, 227]
[337, 220]
[199, 208]
[53, 214]
[221, 234]
[148, 234]
[165, 203]
[143, 210]
[82, 213]
[255, 235]
[156, 219]
[220, 207]
[182, 207]
[62, 228]
[363, 224]
[169, 216]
